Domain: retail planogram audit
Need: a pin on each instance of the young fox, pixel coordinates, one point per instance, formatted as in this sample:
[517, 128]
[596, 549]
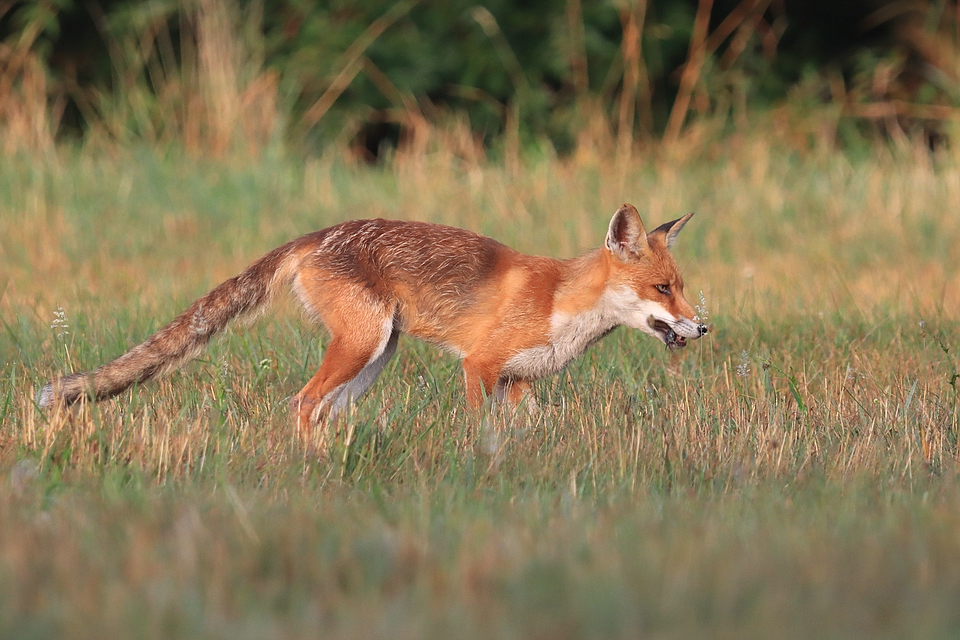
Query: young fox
[511, 317]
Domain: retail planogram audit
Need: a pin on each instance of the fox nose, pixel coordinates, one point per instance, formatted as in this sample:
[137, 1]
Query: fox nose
[702, 329]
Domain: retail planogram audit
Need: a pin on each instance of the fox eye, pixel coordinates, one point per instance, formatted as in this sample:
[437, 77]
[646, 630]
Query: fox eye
[663, 288]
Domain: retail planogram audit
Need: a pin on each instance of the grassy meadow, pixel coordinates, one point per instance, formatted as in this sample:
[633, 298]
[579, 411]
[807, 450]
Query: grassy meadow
[792, 475]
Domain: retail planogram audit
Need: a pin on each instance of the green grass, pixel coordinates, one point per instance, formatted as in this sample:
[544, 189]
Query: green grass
[793, 475]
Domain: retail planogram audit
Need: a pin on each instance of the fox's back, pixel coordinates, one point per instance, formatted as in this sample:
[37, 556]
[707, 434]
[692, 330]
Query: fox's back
[438, 276]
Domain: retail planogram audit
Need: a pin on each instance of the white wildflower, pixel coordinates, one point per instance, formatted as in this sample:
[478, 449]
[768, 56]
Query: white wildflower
[701, 308]
[743, 369]
[60, 324]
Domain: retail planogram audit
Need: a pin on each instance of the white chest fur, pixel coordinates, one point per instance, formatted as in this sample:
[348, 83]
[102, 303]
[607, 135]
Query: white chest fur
[570, 335]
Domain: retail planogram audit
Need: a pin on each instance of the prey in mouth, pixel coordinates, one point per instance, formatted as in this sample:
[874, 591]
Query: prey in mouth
[666, 333]
[669, 336]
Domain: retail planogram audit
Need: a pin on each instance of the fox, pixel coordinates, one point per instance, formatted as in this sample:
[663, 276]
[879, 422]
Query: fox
[511, 318]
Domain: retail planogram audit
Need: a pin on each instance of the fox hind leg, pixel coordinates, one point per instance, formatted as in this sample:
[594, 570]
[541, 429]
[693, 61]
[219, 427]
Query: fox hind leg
[350, 365]
[354, 390]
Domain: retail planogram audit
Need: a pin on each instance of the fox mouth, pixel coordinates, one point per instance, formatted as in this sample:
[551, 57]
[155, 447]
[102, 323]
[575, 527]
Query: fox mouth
[667, 334]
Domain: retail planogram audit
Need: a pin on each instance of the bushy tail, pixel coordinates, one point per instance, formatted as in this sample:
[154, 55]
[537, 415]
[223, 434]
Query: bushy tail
[183, 339]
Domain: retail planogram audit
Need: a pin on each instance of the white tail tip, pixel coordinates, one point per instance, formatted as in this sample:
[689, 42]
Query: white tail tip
[45, 396]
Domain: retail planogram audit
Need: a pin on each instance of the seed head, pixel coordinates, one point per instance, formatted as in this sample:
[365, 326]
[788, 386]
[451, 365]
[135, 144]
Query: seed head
[60, 324]
[701, 308]
[743, 369]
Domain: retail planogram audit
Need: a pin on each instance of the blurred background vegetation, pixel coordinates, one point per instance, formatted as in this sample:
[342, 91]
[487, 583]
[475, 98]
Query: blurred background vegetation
[488, 77]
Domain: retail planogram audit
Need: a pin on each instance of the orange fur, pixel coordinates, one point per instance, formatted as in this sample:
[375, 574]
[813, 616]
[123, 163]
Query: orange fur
[511, 317]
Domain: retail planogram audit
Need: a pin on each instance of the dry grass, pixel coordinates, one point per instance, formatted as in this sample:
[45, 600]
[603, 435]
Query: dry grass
[797, 465]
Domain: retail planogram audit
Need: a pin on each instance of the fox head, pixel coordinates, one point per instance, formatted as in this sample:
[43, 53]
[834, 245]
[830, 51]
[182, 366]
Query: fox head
[645, 287]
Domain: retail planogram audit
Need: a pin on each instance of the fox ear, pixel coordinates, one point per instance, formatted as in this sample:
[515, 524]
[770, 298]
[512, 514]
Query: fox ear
[626, 238]
[671, 229]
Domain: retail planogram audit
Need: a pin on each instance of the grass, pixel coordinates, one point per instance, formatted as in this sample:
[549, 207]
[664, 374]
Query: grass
[792, 475]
